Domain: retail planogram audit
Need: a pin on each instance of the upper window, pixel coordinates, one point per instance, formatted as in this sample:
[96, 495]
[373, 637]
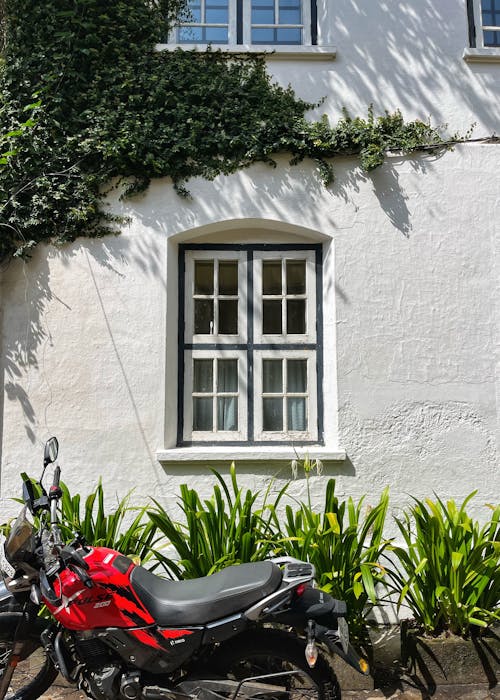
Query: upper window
[252, 22]
[486, 23]
[250, 352]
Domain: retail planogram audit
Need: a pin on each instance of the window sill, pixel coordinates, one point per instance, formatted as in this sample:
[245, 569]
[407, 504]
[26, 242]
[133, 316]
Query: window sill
[277, 53]
[489, 55]
[221, 453]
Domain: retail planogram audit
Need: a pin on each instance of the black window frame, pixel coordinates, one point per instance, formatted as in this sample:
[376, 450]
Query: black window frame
[250, 347]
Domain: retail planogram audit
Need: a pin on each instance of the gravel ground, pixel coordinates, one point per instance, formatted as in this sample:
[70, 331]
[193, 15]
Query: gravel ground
[61, 691]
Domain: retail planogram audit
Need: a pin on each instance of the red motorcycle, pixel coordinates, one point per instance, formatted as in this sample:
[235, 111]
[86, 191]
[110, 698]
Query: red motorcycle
[250, 632]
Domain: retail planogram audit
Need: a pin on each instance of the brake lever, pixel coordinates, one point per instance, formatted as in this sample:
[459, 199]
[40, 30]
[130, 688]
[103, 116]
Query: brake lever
[69, 554]
[47, 591]
[82, 574]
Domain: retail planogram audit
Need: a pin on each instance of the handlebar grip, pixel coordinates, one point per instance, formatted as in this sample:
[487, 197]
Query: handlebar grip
[57, 475]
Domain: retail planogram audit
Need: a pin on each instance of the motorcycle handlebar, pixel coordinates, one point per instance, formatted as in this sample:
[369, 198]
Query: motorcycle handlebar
[57, 476]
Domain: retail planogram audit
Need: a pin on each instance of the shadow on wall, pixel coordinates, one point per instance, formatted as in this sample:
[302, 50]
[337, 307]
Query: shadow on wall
[408, 55]
[27, 296]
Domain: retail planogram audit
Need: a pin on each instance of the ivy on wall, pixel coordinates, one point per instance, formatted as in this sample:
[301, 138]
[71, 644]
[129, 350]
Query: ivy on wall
[107, 106]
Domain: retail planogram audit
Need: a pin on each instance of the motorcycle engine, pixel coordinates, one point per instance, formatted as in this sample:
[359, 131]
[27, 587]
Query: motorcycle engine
[104, 678]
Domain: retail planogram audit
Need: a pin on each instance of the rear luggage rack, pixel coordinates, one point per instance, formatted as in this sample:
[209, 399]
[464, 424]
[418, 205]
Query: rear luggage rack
[294, 569]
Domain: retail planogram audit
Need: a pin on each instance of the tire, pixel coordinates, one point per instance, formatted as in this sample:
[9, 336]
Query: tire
[265, 651]
[35, 673]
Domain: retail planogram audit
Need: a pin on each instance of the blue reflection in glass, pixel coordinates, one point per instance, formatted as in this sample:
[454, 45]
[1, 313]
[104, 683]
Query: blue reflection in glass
[263, 36]
[290, 17]
[492, 38]
[216, 35]
[288, 36]
[189, 35]
[216, 16]
[263, 16]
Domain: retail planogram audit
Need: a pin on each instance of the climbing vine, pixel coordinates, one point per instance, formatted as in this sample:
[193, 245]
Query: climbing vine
[107, 107]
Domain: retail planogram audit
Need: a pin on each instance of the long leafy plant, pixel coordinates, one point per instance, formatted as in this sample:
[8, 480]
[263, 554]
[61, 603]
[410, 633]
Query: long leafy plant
[125, 528]
[448, 569]
[345, 541]
[232, 527]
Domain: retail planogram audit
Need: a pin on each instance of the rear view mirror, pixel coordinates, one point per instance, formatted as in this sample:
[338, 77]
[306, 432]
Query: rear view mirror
[51, 451]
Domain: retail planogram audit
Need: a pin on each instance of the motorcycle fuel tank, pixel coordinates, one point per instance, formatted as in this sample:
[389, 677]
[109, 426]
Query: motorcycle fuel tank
[109, 602]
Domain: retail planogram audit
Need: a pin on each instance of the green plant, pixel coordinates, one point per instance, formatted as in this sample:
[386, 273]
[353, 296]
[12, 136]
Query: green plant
[344, 542]
[229, 528]
[448, 571]
[133, 536]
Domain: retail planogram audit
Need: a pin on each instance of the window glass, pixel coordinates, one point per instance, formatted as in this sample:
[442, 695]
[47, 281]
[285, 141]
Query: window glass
[228, 277]
[295, 277]
[296, 316]
[203, 316]
[202, 413]
[296, 376]
[272, 410]
[227, 375]
[204, 277]
[296, 410]
[203, 376]
[272, 376]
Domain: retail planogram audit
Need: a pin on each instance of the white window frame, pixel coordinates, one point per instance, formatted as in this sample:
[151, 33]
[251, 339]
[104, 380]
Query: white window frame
[305, 25]
[189, 335]
[247, 28]
[311, 397]
[215, 435]
[310, 335]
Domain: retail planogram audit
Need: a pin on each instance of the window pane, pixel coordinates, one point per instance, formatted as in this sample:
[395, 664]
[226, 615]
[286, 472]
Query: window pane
[203, 376]
[271, 316]
[271, 277]
[288, 36]
[272, 414]
[228, 277]
[263, 12]
[227, 413]
[204, 277]
[228, 316]
[492, 38]
[203, 413]
[217, 35]
[296, 316]
[296, 407]
[263, 36]
[216, 12]
[295, 277]
[203, 316]
[194, 10]
[296, 376]
[227, 375]
[272, 376]
[189, 35]
[290, 12]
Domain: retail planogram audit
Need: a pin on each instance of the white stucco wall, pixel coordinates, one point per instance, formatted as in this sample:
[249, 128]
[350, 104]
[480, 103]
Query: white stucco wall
[89, 331]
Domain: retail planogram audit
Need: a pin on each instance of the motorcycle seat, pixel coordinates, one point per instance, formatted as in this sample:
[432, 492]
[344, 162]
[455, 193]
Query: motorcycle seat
[201, 600]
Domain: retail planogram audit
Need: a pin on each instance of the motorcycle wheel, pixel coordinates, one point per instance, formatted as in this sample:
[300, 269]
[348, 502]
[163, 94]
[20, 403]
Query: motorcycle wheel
[271, 651]
[35, 673]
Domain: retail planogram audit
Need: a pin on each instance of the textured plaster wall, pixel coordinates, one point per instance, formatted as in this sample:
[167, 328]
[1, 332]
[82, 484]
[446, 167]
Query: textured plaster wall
[89, 332]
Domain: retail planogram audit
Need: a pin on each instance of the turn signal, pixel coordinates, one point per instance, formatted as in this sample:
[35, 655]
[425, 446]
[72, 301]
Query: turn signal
[363, 665]
[311, 654]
